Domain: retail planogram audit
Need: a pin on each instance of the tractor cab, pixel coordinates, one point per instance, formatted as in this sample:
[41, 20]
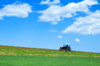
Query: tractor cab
[66, 47]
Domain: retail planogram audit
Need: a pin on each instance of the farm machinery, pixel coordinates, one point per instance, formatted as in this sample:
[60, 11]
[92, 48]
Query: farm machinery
[66, 47]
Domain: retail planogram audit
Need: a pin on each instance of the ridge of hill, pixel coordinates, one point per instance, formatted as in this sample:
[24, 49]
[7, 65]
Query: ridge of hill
[26, 48]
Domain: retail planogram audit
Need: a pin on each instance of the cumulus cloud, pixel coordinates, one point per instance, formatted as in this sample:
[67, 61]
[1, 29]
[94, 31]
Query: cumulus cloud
[56, 13]
[77, 40]
[47, 2]
[86, 25]
[17, 10]
[60, 36]
[52, 30]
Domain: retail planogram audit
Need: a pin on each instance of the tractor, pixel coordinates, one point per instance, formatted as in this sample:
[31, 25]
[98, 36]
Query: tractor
[66, 47]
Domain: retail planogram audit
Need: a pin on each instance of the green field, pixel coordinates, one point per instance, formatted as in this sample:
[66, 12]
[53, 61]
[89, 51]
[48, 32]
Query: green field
[6, 60]
[20, 56]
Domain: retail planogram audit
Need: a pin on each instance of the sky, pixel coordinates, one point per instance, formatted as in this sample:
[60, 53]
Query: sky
[50, 24]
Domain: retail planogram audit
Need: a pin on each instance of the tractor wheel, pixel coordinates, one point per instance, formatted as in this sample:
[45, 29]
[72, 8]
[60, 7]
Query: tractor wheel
[66, 49]
[61, 49]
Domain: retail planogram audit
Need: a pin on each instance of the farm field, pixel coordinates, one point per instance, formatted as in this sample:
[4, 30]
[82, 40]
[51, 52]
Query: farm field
[21, 56]
[22, 51]
[6, 60]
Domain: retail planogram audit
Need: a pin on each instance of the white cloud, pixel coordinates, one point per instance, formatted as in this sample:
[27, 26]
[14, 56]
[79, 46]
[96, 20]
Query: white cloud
[54, 23]
[18, 10]
[60, 36]
[77, 40]
[56, 13]
[86, 25]
[50, 3]
[52, 30]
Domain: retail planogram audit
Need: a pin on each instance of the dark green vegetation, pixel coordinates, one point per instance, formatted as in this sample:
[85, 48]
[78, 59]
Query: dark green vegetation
[21, 56]
[6, 60]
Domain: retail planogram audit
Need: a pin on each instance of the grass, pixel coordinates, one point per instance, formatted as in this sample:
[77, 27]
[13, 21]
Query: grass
[21, 56]
[31, 52]
[7, 60]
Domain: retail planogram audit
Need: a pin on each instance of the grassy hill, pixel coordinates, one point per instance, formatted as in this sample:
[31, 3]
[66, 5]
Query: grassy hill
[21, 56]
[11, 50]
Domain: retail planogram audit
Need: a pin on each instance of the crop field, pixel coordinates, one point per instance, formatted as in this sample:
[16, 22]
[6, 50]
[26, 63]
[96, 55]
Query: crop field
[21, 56]
[6, 60]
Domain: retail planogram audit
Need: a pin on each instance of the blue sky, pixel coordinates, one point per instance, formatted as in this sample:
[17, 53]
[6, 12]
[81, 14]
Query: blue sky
[51, 23]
